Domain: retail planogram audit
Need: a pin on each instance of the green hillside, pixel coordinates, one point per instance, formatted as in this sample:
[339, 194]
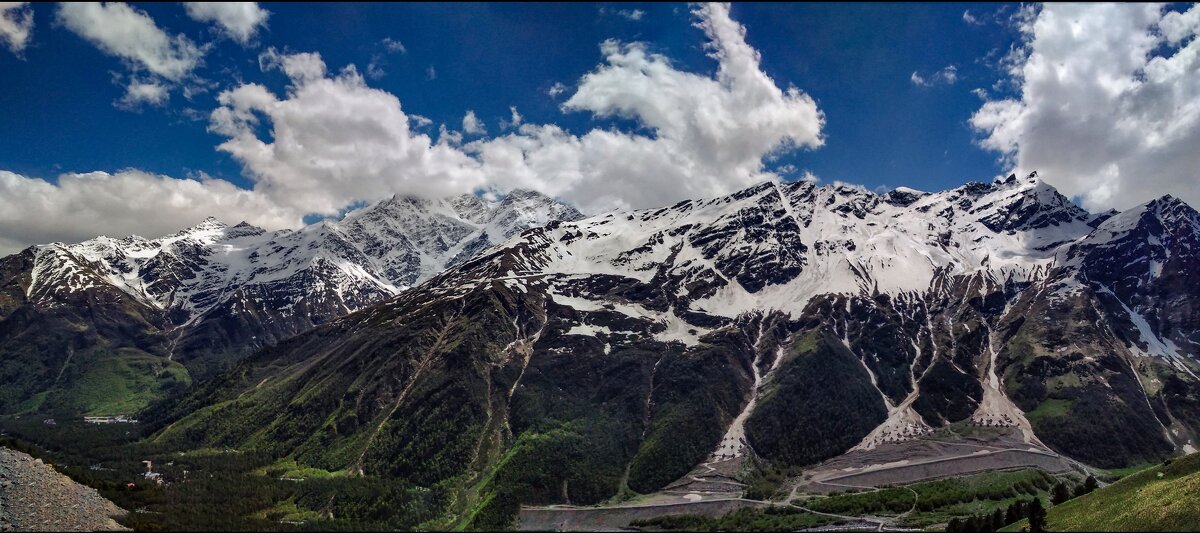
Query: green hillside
[1140, 502]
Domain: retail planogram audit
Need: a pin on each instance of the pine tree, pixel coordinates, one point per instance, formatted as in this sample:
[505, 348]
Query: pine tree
[1090, 484]
[1012, 514]
[1060, 493]
[955, 526]
[1037, 516]
[997, 520]
[972, 524]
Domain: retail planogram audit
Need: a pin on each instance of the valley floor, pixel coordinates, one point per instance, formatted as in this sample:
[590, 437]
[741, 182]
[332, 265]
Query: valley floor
[712, 489]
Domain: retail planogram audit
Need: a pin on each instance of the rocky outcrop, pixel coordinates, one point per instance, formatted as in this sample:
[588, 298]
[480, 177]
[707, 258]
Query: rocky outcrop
[35, 497]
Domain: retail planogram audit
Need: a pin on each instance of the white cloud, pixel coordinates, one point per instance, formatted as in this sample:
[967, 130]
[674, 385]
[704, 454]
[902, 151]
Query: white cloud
[472, 125]
[556, 89]
[947, 76]
[632, 14]
[394, 46]
[710, 135]
[449, 136]
[81, 206]
[329, 141]
[628, 14]
[1109, 104]
[130, 34]
[139, 92]
[302, 67]
[431, 73]
[970, 19]
[374, 71]
[419, 121]
[512, 122]
[16, 25]
[334, 141]
[239, 21]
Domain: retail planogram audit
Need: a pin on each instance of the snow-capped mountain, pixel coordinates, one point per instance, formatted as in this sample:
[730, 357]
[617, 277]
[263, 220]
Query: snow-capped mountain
[212, 293]
[788, 322]
[791, 322]
[370, 254]
[775, 246]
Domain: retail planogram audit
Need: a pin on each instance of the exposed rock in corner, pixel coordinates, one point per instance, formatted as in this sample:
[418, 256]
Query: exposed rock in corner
[35, 497]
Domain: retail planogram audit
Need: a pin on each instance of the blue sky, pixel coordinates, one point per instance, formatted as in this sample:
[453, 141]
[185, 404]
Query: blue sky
[924, 95]
[855, 60]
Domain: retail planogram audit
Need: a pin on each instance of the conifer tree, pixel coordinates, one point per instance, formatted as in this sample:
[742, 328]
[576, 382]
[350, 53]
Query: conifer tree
[1037, 516]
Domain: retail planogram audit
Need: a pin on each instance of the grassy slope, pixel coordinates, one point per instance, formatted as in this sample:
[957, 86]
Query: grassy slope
[1140, 502]
[124, 383]
[940, 500]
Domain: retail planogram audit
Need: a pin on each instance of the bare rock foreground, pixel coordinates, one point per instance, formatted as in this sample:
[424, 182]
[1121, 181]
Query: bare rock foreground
[35, 497]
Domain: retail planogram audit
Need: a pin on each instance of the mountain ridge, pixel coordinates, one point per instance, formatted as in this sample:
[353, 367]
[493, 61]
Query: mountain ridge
[212, 293]
[788, 323]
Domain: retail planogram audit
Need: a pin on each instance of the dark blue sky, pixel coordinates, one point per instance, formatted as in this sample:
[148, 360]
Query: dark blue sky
[856, 61]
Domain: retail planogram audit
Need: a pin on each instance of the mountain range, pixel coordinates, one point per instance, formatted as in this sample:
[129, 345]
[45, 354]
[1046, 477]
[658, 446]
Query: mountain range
[514, 352]
[84, 325]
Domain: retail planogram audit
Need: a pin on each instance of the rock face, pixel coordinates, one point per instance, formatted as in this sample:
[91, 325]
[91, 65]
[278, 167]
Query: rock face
[130, 310]
[786, 321]
[34, 497]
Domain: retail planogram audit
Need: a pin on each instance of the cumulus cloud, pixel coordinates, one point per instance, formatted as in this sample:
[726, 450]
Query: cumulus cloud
[328, 141]
[16, 25]
[334, 141]
[239, 21]
[556, 89]
[472, 125]
[158, 62]
[419, 121]
[710, 135]
[514, 121]
[970, 18]
[130, 34]
[946, 76]
[632, 14]
[1109, 103]
[301, 68]
[138, 93]
[81, 206]
[375, 71]
[390, 46]
[628, 14]
[394, 46]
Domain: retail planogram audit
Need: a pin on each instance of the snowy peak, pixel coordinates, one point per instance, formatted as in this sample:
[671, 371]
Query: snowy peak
[1141, 248]
[903, 196]
[1024, 205]
[1167, 223]
[328, 268]
[207, 231]
[773, 246]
